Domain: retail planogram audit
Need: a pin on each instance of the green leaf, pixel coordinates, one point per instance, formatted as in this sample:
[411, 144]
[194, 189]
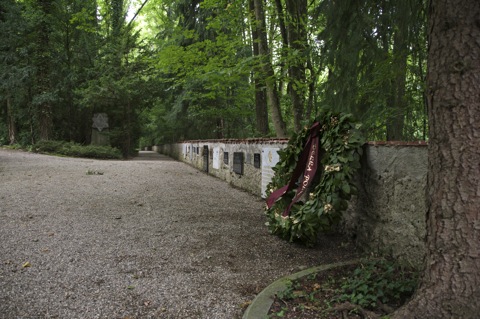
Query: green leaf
[346, 188]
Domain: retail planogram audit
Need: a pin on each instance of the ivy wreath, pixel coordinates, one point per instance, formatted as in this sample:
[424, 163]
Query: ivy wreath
[300, 214]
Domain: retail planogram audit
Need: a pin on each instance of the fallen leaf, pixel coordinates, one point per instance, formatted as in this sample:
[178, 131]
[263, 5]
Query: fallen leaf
[245, 304]
[26, 264]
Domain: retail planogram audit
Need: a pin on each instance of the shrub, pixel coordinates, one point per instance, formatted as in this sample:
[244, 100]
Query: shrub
[76, 150]
[48, 146]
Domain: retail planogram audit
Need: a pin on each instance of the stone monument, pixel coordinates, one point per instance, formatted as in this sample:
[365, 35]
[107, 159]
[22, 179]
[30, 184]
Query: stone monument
[100, 133]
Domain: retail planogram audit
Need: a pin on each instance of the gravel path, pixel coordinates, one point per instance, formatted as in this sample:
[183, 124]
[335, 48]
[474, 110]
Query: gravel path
[145, 238]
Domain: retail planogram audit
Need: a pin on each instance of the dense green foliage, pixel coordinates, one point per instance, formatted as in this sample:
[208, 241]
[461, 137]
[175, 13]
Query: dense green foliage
[378, 285]
[76, 150]
[189, 69]
[323, 205]
[382, 280]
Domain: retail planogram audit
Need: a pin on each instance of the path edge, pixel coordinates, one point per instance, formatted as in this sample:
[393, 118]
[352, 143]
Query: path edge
[261, 304]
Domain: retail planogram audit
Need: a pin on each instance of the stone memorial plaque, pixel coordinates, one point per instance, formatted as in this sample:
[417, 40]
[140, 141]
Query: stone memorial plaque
[238, 162]
[225, 158]
[216, 158]
[100, 123]
[256, 160]
[270, 158]
[205, 158]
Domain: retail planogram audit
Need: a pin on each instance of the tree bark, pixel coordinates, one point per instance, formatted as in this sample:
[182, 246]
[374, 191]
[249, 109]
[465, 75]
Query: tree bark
[12, 127]
[268, 73]
[44, 109]
[396, 121]
[297, 41]
[450, 287]
[261, 110]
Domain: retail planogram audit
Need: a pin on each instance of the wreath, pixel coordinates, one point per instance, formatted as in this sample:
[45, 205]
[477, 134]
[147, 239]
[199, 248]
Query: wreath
[313, 179]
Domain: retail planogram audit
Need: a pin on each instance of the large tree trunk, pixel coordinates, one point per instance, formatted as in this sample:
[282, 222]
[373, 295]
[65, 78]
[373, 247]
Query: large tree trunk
[450, 287]
[268, 73]
[297, 41]
[261, 110]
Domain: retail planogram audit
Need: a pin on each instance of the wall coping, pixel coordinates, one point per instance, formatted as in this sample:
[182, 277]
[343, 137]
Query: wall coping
[241, 141]
[397, 143]
[285, 141]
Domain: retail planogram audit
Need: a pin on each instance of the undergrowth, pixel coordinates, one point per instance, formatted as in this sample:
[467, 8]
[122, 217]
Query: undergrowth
[76, 150]
[371, 289]
[377, 281]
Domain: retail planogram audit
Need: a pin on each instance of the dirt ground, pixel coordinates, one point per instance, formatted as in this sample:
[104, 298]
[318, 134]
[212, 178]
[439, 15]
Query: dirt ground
[144, 238]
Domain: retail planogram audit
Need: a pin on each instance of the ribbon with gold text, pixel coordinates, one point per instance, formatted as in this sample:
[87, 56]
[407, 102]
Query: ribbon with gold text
[307, 163]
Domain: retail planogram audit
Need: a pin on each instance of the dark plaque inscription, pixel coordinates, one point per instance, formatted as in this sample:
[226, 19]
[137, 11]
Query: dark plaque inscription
[256, 160]
[225, 157]
[238, 162]
[205, 158]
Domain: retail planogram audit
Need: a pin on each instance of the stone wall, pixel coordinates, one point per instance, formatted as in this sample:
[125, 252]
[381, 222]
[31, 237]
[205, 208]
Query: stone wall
[387, 216]
[254, 170]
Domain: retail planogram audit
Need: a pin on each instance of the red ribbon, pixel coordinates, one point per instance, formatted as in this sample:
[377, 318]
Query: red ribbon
[307, 163]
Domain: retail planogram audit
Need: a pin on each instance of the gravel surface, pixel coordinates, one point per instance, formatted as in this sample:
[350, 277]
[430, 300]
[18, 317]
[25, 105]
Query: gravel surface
[144, 238]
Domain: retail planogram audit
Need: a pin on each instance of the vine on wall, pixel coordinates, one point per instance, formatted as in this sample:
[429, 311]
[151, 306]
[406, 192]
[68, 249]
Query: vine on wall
[321, 206]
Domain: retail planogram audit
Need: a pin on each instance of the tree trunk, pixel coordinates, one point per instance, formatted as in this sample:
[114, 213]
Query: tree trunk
[268, 73]
[297, 41]
[44, 108]
[450, 287]
[12, 127]
[261, 110]
[396, 120]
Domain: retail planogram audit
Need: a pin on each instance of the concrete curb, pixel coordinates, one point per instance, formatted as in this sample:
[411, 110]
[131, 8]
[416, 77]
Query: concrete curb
[260, 306]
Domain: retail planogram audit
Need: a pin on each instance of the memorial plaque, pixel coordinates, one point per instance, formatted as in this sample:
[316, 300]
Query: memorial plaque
[256, 160]
[238, 162]
[270, 158]
[205, 158]
[216, 158]
[225, 158]
[100, 135]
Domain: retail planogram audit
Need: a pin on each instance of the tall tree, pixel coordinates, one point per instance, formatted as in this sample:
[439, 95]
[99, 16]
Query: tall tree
[10, 26]
[297, 43]
[450, 287]
[44, 95]
[401, 13]
[264, 58]
[261, 110]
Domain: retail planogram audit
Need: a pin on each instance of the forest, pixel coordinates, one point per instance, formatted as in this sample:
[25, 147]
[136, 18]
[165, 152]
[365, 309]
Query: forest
[170, 70]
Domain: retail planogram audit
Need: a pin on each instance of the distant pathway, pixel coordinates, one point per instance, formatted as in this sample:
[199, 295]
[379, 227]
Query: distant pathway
[151, 156]
[145, 238]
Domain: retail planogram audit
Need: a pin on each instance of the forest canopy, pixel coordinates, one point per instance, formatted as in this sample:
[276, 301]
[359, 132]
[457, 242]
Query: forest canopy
[169, 70]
